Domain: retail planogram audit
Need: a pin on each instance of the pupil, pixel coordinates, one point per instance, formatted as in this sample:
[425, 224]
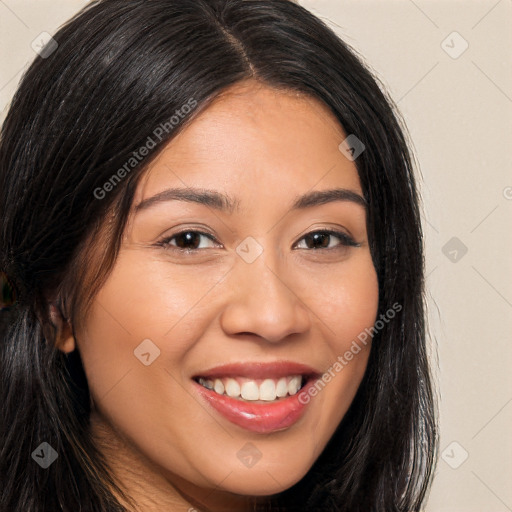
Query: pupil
[187, 236]
[324, 238]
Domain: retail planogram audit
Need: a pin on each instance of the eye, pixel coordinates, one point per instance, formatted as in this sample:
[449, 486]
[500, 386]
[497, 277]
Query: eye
[323, 238]
[185, 240]
[190, 240]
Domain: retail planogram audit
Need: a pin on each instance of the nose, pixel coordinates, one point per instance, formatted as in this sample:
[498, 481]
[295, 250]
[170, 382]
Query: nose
[262, 302]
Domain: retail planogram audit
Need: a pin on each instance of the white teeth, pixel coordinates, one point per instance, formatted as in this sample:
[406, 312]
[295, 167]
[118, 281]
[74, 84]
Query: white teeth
[294, 385]
[232, 388]
[282, 387]
[242, 388]
[268, 390]
[250, 390]
[218, 386]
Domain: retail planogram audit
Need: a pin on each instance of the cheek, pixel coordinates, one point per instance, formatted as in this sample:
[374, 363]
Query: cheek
[345, 299]
[149, 298]
[347, 309]
[352, 304]
[141, 400]
[143, 314]
[352, 310]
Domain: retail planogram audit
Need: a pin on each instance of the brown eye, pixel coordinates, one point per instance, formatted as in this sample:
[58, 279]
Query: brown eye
[322, 239]
[187, 241]
[190, 240]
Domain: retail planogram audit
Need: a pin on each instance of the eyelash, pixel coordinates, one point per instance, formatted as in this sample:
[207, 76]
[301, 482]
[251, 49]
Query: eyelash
[346, 240]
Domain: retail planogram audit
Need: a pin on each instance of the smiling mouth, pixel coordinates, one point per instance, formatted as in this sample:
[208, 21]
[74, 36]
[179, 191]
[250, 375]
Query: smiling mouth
[263, 405]
[255, 390]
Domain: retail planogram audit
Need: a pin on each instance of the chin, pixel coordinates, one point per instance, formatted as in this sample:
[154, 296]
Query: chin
[266, 478]
[260, 483]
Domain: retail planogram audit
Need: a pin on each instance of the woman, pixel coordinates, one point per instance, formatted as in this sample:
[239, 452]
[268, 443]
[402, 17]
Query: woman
[144, 371]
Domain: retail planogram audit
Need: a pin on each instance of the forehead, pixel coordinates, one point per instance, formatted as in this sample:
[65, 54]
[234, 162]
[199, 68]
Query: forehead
[255, 113]
[255, 138]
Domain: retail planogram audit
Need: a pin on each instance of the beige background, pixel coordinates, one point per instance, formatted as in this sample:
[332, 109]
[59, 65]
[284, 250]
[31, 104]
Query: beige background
[458, 106]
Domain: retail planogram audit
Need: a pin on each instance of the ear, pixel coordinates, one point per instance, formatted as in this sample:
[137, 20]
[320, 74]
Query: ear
[65, 339]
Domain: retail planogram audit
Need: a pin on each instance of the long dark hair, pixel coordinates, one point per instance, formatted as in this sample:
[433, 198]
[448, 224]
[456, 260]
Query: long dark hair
[121, 69]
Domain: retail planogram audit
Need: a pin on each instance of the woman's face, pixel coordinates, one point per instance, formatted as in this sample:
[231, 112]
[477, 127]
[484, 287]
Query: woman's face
[253, 299]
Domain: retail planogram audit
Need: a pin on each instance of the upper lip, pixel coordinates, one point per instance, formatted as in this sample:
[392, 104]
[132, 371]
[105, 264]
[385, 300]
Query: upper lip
[260, 370]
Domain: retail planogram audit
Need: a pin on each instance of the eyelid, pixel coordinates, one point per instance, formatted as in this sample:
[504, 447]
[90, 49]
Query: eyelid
[347, 240]
[164, 242]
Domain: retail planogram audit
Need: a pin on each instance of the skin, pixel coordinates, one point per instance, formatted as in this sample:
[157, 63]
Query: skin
[210, 307]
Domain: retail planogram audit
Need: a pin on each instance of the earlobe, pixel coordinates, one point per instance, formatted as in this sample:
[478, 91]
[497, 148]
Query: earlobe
[66, 342]
[64, 339]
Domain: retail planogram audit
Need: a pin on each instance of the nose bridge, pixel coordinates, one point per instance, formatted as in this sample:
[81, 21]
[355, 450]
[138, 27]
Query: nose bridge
[262, 301]
[265, 284]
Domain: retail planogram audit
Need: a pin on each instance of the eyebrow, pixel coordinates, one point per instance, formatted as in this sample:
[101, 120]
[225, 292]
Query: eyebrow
[225, 203]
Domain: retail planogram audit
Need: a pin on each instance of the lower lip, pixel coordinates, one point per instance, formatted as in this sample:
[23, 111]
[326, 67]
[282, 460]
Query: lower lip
[262, 418]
